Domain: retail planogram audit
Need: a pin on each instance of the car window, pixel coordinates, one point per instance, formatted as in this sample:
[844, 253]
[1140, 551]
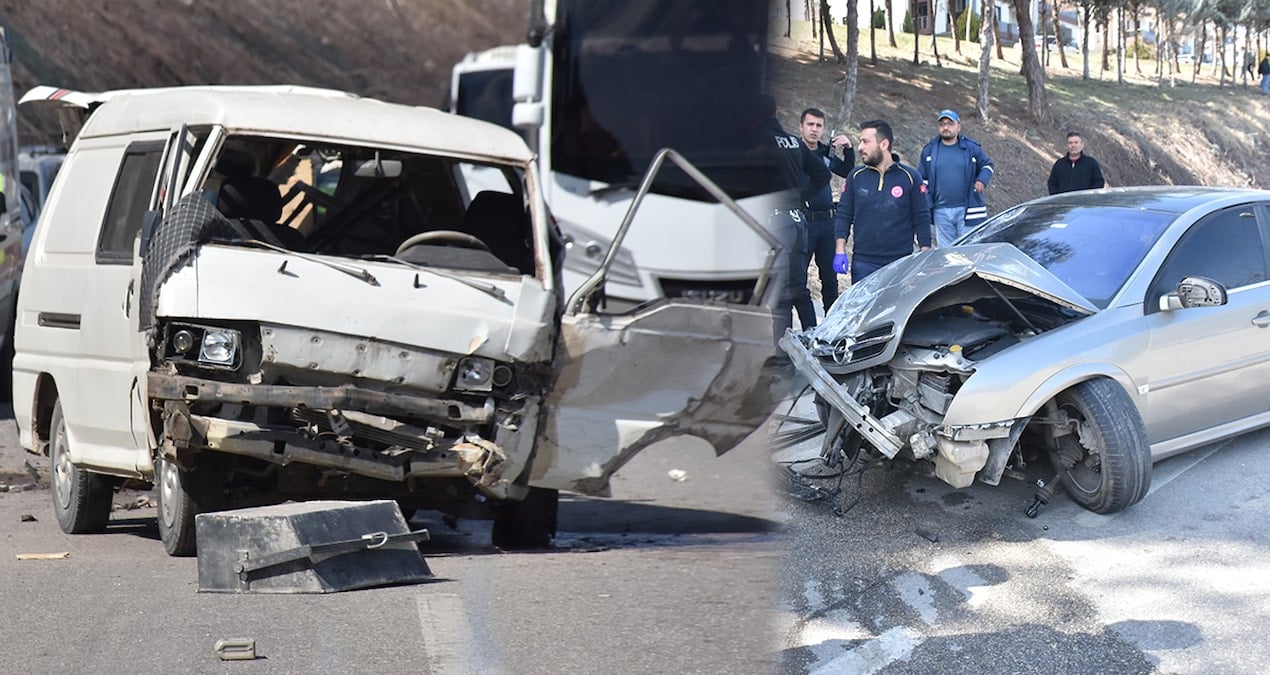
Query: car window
[1225, 247]
[129, 200]
[1092, 248]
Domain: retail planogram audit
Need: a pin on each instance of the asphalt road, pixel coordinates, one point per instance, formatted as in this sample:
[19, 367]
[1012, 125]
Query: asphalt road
[919, 577]
[666, 576]
[721, 572]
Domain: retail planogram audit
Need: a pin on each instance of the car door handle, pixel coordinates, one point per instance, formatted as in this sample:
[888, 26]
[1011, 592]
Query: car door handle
[1261, 320]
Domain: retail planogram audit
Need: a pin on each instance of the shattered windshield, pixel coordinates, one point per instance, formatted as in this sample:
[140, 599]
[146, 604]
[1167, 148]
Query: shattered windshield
[373, 203]
[692, 70]
[1093, 249]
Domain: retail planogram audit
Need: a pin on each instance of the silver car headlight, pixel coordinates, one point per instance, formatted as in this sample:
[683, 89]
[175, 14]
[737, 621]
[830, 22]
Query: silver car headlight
[220, 347]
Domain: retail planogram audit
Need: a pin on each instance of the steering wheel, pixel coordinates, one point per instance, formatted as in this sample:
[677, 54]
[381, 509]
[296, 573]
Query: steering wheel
[443, 238]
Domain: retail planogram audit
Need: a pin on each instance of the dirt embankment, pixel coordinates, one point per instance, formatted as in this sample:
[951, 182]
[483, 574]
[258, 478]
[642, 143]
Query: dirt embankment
[400, 50]
[1141, 133]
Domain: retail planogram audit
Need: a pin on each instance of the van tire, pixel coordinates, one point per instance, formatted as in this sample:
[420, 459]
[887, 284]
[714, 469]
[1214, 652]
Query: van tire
[176, 507]
[81, 499]
[526, 524]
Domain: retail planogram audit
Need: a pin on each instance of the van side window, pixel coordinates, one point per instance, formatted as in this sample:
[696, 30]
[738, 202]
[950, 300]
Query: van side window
[129, 200]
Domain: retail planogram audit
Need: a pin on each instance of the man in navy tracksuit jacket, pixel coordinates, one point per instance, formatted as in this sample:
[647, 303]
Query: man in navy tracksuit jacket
[883, 206]
[956, 172]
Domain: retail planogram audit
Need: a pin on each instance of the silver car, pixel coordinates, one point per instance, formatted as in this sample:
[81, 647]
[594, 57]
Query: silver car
[1104, 330]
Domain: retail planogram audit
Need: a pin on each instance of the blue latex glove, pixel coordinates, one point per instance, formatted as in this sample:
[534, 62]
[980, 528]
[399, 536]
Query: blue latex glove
[841, 263]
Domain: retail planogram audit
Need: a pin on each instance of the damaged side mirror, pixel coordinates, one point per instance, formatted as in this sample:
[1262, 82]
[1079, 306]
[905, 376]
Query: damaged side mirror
[1193, 292]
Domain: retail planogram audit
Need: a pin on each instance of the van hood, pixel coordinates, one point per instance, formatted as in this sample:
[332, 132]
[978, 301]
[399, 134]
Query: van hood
[861, 327]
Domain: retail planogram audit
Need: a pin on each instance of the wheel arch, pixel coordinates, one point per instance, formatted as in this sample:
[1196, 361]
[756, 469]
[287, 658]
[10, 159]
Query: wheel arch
[1069, 377]
[45, 398]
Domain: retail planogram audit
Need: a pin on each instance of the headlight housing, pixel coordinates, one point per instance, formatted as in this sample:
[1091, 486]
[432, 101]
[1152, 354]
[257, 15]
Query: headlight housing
[474, 374]
[207, 346]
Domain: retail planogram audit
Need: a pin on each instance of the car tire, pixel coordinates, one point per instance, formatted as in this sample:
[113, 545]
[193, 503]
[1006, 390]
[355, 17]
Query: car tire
[527, 524]
[81, 499]
[1111, 470]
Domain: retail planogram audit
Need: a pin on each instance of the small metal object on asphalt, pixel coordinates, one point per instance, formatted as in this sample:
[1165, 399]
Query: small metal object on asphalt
[30, 468]
[235, 649]
[927, 535]
[677, 475]
[44, 556]
[24, 487]
[27, 518]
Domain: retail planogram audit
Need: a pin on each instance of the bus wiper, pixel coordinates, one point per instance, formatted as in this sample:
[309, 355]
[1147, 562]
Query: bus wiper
[350, 270]
[490, 289]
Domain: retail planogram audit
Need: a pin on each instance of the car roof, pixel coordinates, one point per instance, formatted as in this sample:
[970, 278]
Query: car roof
[306, 112]
[1176, 199]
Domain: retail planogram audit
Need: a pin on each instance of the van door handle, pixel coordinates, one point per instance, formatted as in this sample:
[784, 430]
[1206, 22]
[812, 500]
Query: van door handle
[1261, 320]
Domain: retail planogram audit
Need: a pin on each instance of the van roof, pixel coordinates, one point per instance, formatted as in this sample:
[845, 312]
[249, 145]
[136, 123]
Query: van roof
[295, 111]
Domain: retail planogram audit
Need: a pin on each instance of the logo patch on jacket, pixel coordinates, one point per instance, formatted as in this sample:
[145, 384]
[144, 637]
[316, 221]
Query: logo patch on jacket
[897, 192]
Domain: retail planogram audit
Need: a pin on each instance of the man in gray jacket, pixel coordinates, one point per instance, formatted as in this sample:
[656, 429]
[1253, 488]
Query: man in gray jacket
[956, 172]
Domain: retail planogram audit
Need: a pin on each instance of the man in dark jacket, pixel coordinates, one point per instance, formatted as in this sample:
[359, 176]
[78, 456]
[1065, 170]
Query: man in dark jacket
[788, 163]
[1075, 170]
[819, 212]
[883, 206]
[956, 172]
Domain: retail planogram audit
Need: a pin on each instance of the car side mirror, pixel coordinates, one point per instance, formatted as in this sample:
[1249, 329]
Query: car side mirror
[1193, 292]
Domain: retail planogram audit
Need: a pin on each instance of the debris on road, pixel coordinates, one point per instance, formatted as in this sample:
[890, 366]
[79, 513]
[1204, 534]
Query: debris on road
[30, 468]
[927, 535]
[678, 475]
[235, 649]
[142, 502]
[44, 556]
[26, 518]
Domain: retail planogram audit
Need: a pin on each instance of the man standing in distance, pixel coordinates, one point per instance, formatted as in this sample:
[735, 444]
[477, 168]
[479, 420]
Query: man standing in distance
[819, 212]
[1075, 170]
[956, 172]
[883, 205]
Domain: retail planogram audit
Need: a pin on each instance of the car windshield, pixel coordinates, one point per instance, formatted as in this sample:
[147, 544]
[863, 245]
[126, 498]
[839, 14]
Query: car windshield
[1092, 248]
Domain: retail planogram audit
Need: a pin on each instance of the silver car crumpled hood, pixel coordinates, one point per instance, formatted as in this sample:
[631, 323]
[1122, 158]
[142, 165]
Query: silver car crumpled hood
[878, 308]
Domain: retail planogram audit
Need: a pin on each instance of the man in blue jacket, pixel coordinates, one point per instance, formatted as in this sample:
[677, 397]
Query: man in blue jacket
[956, 172]
[882, 206]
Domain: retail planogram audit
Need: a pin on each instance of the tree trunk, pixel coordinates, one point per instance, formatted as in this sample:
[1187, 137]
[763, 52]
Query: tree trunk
[1058, 37]
[1199, 53]
[952, 21]
[1032, 73]
[985, 56]
[789, 19]
[873, 39]
[853, 61]
[809, 10]
[917, 34]
[934, 43]
[1137, 31]
[890, 23]
[827, 23]
[1120, 45]
[1106, 46]
[996, 32]
[1084, 39]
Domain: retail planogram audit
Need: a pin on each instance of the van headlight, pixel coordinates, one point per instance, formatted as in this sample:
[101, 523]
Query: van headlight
[220, 347]
[207, 346]
[474, 374]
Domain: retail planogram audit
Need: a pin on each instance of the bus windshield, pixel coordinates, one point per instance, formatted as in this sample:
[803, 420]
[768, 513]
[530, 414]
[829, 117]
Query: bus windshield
[632, 78]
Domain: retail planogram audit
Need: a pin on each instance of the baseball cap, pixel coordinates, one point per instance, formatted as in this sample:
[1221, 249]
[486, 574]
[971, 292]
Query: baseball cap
[950, 114]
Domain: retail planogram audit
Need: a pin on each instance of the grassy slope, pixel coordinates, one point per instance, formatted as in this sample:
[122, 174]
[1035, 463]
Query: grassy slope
[1140, 132]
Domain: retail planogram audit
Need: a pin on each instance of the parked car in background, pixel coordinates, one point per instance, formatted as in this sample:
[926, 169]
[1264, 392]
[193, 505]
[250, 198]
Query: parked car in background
[244, 295]
[37, 167]
[1101, 330]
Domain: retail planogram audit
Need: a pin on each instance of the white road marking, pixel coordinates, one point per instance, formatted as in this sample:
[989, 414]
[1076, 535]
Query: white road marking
[970, 584]
[893, 645]
[445, 634]
[914, 590]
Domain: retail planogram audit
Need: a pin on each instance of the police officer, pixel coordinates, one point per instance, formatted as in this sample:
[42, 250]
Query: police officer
[796, 173]
[819, 211]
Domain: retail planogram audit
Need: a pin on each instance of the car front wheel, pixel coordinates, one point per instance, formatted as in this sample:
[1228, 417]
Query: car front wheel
[527, 524]
[81, 498]
[177, 506]
[1101, 451]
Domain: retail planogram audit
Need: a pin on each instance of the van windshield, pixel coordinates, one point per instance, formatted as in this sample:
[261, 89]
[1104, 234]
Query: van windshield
[363, 202]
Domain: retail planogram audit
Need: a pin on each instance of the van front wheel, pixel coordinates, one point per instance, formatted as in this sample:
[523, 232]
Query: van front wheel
[176, 507]
[81, 498]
